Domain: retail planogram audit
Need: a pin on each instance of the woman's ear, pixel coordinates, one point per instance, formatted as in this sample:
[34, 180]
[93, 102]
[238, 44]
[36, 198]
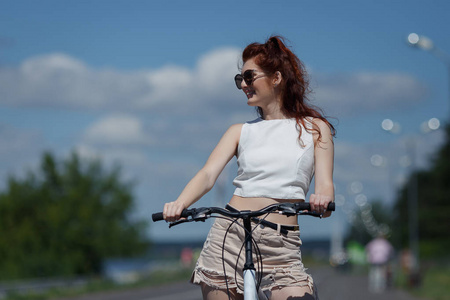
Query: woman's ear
[277, 78]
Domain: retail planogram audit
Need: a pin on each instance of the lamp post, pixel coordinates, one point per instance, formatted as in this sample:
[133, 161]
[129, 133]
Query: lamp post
[413, 187]
[425, 43]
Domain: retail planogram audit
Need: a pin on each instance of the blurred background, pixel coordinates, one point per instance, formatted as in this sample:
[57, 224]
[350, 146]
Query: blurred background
[108, 108]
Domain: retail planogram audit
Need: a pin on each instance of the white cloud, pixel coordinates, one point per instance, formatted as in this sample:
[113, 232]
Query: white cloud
[168, 83]
[345, 94]
[118, 139]
[134, 162]
[59, 80]
[117, 130]
[216, 70]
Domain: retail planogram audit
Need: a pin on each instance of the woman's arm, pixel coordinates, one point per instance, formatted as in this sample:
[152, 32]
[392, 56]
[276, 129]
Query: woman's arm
[204, 180]
[323, 164]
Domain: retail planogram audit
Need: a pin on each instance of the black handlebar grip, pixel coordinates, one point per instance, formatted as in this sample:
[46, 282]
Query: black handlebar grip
[307, 206]
[331, 206]
[157, 216]
[185, 213]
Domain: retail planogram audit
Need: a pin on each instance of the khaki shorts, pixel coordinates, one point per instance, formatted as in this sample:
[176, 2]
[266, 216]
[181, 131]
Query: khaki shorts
[280, 254]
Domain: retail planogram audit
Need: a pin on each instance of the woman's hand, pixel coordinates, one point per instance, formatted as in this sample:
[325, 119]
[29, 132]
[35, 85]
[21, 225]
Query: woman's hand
[172, 211]
[319, 204]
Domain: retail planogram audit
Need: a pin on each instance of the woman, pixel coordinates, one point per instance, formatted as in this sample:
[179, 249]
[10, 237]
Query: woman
[277, 155]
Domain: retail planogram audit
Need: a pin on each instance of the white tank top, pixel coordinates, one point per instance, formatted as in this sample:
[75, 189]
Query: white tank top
[272, 161]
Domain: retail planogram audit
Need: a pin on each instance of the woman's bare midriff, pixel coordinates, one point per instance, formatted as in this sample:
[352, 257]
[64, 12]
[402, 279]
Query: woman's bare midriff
[243, 203]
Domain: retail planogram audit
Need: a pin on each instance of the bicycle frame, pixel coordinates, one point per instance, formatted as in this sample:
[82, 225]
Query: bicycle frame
[249, 271]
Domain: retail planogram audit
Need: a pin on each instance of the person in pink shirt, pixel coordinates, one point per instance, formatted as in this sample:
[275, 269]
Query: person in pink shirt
[379, 251]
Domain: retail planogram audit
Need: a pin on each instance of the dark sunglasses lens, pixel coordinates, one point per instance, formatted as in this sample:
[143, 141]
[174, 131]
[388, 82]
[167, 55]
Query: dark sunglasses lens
[238, 80]
[248, 76]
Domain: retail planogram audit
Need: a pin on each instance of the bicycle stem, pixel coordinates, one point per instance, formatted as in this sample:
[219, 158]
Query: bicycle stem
[250, 288]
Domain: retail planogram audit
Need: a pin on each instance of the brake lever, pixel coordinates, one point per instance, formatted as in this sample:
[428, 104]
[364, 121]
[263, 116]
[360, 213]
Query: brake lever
[288, 209]
[181, 221]
[310, 213]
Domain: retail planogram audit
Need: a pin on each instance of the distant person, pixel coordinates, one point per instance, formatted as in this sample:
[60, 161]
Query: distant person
[186, 256]
[408, 265]
[277, 155]
[379, 252]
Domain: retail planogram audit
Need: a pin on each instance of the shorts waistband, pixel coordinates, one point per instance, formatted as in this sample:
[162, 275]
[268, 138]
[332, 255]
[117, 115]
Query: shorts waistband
[280, 228]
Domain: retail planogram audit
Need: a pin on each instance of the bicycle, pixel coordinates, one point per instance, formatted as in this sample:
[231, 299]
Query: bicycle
[251, 284]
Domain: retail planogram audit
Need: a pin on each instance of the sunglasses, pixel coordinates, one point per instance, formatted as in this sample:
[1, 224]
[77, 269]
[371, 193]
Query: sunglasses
[248, 76]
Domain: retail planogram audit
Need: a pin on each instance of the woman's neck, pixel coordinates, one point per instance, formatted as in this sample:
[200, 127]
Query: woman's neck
[273, 113]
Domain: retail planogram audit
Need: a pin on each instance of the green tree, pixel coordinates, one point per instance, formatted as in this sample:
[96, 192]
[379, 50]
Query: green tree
[65, 219]
[433, 207]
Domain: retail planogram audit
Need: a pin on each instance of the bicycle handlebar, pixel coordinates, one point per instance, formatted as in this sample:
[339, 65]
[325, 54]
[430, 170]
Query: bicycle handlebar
[202, 213]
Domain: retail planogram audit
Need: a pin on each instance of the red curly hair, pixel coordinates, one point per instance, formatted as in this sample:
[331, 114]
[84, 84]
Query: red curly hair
[273, 56]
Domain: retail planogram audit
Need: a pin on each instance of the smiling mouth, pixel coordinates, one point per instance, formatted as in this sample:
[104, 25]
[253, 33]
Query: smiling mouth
[249, 94]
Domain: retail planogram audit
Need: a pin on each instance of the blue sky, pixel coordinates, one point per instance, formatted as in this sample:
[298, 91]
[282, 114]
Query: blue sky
[149, 85]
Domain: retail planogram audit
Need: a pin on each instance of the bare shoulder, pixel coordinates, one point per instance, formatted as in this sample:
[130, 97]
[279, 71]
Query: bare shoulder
[234, 132]
[324, 129]
[321, 125]
[236, 127]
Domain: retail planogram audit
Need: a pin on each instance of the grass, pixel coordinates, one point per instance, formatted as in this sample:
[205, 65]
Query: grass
[435, 284]
[102, 285]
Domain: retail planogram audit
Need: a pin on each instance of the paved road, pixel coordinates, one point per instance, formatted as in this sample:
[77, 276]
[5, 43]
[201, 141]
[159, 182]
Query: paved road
[181, 290]
[332, 285]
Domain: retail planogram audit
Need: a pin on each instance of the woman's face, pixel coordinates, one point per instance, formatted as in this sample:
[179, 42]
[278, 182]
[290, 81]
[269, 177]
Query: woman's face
[261, 92]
